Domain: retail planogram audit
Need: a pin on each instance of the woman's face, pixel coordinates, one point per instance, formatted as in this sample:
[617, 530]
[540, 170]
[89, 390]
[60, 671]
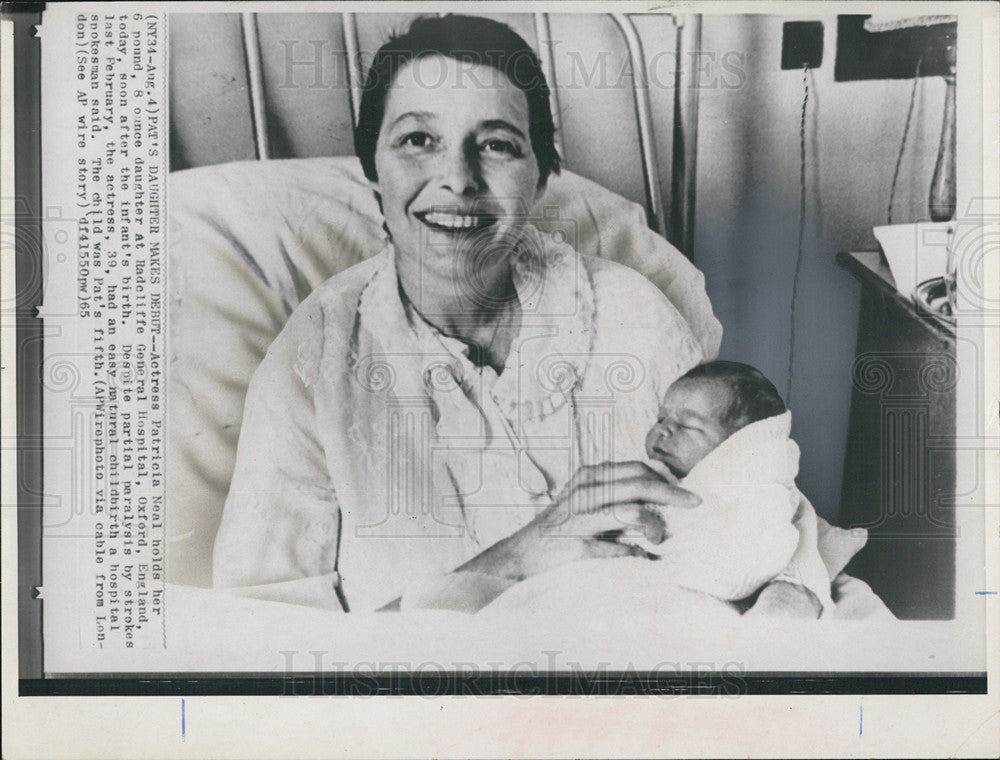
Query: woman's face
[456, 172]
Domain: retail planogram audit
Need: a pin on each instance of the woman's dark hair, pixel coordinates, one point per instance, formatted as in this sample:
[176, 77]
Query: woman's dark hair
[754, 397]
[469, 39]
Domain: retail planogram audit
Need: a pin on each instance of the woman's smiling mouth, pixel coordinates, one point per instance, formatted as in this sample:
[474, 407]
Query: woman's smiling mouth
[449, 221]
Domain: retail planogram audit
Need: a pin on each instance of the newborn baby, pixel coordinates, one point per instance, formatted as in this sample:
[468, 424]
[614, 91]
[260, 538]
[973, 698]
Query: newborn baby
[702, 408]
[722, 433]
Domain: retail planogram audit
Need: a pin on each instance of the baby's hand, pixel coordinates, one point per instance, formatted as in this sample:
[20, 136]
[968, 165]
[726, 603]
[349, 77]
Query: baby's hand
[654, 528]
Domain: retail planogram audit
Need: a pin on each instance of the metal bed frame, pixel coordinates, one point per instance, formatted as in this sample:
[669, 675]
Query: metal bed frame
[676, 224]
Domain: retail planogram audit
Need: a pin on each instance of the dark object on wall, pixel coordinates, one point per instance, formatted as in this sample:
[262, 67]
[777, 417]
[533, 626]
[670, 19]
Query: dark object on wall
[801, 44]
[901, 48]
[891, 54]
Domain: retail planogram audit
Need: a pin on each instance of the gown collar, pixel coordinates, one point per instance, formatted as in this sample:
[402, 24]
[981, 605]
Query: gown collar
[548, 359]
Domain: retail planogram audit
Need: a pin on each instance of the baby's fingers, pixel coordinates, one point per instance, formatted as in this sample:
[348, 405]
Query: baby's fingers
[654, 529]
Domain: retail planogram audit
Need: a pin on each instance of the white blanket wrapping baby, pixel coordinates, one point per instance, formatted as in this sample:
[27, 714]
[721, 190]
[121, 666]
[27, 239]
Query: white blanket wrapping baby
[740, 537]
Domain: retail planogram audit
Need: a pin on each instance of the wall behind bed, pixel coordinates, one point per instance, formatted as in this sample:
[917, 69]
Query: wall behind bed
[746, 218]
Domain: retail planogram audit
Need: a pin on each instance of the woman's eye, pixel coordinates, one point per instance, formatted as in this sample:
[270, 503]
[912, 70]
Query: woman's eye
[504, 147]
[416, 140]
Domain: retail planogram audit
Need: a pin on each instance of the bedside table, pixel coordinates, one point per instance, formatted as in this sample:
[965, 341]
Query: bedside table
[899, 470]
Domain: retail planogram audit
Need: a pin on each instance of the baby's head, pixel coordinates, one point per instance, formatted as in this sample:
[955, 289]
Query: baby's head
[704, 407]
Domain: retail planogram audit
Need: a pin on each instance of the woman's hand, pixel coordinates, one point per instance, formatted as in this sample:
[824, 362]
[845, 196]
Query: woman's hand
[608, 498]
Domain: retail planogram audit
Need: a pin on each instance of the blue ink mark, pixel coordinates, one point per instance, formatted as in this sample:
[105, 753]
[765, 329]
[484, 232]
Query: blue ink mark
[182, 722]
[861, 718]
[986, 593]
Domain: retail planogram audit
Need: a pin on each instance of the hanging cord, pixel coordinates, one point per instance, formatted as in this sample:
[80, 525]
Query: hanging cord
[902, 144]
[802, 227]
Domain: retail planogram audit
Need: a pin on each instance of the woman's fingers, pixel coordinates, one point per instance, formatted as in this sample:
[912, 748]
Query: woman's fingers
[630, 489]
[607, 471]
[618, 518]
[610, 549]
[663, 471]
[597, 486]
[614, 496]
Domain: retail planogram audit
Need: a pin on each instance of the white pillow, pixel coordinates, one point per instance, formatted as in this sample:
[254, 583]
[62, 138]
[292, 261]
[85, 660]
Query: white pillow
[249, 240]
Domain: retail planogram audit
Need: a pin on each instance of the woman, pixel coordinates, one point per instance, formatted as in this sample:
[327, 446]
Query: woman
[422, 411]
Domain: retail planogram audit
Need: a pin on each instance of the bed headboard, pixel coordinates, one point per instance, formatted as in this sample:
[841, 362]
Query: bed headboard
[285, 85]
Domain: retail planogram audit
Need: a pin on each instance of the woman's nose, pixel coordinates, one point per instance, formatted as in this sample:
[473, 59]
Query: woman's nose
[460, 172]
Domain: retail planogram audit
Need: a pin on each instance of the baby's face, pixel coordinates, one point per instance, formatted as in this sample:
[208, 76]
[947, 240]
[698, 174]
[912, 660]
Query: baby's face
[689, 425]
